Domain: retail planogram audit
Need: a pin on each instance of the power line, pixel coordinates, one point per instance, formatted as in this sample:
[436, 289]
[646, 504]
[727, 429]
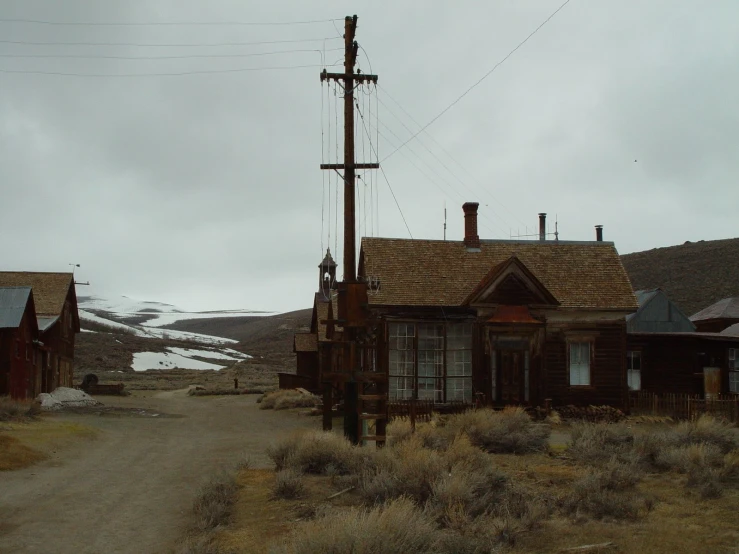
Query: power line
[173, 74]
[384, 175]
[162, 23]
[450, 106]
[154, 45]
[451, 157]
[438, 159]
[182, 57]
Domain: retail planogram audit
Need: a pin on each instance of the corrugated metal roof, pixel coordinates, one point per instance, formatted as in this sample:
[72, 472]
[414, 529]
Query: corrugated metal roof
[45, 322]
[13, 302]
[728, 308]
[732, 331]
[657, 314]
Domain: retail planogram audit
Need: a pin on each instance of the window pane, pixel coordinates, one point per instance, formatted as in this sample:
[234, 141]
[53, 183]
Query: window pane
[459, 390]
[734, 381]
[579, 363]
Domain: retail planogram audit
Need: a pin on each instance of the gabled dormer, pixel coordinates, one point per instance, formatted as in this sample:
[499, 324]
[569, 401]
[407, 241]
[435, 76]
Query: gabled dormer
[510, 283]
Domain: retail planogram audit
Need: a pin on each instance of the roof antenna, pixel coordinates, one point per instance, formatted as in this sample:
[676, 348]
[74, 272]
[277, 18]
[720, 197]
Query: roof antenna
[556, 228]
[444, 220]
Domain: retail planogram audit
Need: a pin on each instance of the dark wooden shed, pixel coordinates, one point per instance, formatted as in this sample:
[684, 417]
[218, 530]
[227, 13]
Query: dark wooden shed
[19, 368]
[57, 320]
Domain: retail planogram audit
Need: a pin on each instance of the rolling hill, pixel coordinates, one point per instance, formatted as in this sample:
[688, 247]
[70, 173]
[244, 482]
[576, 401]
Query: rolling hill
[694, 275]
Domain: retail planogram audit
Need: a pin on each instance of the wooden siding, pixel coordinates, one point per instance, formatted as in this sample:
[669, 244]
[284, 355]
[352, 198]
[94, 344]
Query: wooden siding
[674, 363]
[20, 376]
[607, 366]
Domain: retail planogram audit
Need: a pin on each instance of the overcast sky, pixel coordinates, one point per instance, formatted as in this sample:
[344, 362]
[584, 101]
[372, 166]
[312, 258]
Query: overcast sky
[203, 190]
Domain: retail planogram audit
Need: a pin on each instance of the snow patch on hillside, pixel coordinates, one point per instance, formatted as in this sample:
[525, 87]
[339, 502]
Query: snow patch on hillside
[168, 360]
[153, 332]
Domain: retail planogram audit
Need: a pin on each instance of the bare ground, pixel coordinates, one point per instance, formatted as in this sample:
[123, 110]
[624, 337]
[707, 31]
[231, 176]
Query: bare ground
[131, 488]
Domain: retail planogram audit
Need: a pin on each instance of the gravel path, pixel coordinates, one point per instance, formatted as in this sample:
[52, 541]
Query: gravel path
[131, 488]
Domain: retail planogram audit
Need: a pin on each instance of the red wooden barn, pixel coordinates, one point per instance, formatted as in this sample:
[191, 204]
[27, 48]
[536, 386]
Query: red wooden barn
[58, 321]
[19, 369]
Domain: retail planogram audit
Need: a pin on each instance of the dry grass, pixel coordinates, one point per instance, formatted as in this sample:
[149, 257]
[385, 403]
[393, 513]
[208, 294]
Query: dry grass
[399, 527]
[285, 399]
[16, 455]
[288, 485]
[16, 410]
[212, 507]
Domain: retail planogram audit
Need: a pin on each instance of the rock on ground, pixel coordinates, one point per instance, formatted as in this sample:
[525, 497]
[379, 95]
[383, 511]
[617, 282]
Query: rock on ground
[63, 397]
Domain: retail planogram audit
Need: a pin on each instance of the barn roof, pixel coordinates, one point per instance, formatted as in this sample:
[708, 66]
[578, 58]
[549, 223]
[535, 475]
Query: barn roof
[13, 302]
[731, 331]
[412, 272]
[49, 289]
[728, 308]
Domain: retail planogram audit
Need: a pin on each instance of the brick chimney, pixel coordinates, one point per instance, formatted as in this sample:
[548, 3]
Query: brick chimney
[471, 238]
[599, 233]
[542, 226]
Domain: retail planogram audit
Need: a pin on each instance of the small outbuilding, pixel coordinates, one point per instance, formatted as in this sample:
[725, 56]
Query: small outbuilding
[19, 369]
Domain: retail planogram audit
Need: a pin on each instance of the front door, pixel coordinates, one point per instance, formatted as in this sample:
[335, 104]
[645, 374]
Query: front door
[512, 376]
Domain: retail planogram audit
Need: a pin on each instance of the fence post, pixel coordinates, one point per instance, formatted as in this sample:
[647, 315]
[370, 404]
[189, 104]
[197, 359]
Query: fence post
[413, 414]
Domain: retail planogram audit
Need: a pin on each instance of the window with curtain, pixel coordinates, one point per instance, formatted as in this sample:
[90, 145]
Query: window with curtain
[579, 364]
[430, 362]
[633, 370]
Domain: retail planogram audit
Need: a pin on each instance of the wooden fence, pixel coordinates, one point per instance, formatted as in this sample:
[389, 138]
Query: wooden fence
[421, 410]
[684, 406]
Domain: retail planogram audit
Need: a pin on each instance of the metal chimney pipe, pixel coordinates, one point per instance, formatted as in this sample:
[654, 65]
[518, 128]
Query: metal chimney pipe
[599, 233]
[542, 226]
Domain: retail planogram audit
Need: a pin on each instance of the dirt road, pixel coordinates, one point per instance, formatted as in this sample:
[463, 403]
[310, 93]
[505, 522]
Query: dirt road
[131, 488]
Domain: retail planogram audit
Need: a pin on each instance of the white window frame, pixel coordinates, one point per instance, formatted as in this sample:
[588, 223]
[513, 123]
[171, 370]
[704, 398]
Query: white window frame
[402, 359]
[458, 369]
[633, 376]
[579, 362]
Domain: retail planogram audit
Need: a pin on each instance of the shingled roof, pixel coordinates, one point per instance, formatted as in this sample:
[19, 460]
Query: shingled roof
[49, 289]
[412, 272]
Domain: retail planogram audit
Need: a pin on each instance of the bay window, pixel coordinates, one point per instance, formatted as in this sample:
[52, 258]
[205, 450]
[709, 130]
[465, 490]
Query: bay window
[434, 360]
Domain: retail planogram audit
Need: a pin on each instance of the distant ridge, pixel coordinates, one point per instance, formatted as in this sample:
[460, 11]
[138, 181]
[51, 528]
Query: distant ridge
[694, 275]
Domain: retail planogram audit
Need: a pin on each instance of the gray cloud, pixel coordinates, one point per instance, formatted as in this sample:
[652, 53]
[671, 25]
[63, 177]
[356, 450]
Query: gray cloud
[204, 190]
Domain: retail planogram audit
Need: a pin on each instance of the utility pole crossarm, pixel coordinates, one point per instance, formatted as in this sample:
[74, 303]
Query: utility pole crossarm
[360, 77]
[355, 166]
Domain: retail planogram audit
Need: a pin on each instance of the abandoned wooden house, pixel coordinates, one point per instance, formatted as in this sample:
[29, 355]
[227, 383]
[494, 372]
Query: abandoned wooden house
[495, 321]
[19, 368]
[667, 355]
[717, 317]
[307, 346]
[57, 320]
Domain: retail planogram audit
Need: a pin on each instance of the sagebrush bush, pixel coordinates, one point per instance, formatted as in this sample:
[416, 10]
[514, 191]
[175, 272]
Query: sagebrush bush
[11, 410]
[284, 399]
[709, 430]
[399, 527]
[288, 485]
[318, 452]
[509, 431]
[600, 494]
[598, 443]
[214, 502]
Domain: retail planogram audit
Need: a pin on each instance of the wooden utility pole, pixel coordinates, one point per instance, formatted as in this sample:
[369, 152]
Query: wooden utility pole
[349, 166]
[349, 318]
